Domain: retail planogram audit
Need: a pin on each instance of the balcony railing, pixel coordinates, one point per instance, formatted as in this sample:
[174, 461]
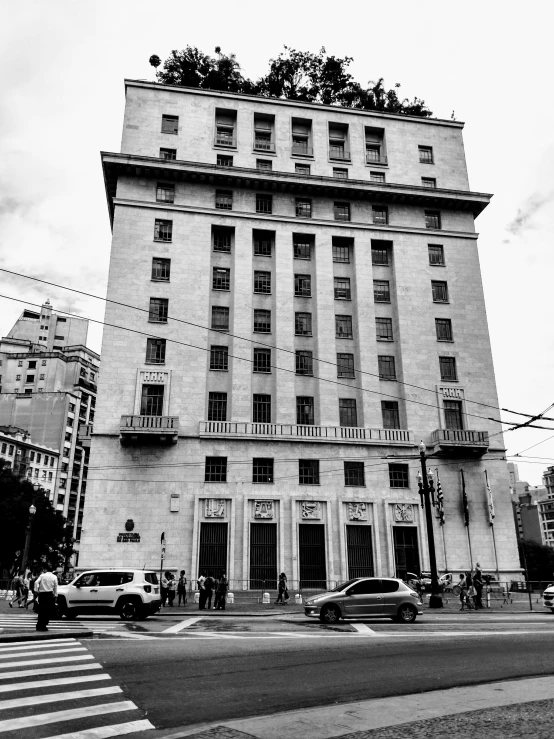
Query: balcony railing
[302, 151]
[462, 439]
[337, 152]
[228, 141]
[162, 428]
[263, 145]
[287, 431]
[372, 157]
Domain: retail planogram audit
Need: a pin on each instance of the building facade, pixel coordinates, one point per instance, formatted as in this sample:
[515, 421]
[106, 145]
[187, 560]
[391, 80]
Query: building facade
[33, 462]
[298, 300]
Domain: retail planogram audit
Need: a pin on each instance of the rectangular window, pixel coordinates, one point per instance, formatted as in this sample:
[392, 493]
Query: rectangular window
[433, 219]
[453, 418]
[32, 365]
[30, 378]
[377, 177]
[303, 169]
[161, 269]
[302, 246]
[383, 329]
[18, 377]
[380, 214]
[308, 471]
[263, 132]
[261, 408]
[428, 182]
[262, 469]
[339, 173]
[447, 366]
[436, 255]
[221, 278]
[425, 154]
[338, 134]
[152, 400]
[439, 289]
[343, 327]
[341, 250]
[263, 243]
[381, 291]
[347, 412]
[341, 211]
[303, 286]
[225, 121]
[262, 360]
[304, 362]
[303, 324]
[219, 358]
[170, 155]
[262, 282]
[345, 365]
[165, 193]
[354, 474]
[217, 407]
[224, 160]
[222, 238]
[158, 310]
[443, 327]
[399, 476]
[41, 377]
[170, 124]
[304, 410]
[387, 368]
[303, 207]
[43, 363]
[220, 318]
[374, 145]
[262, 321]
[301, 137]
[163, 230]
[265, 165]
[155, 351]
[264, 203]
[224, 199]
[391, 416]
[342, 288]
[215, 469]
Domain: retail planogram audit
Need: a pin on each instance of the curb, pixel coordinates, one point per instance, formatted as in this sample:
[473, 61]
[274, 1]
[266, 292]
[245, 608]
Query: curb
[32, 636]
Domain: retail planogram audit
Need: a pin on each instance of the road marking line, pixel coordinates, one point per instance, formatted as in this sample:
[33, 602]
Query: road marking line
[363, 629]
[40, 719]
[73, 658]
[182, 625]
[16, 674]
[18, 645]
[103, 732]
[130, 635]
[67, 649]
[52, 682]
[56, 697]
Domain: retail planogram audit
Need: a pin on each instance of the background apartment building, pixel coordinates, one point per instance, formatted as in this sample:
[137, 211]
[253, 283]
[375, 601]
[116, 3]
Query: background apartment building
[48, 387]
[33, 462]
[301, 298]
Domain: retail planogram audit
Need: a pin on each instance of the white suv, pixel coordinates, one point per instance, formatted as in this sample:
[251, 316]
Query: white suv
[133, 594]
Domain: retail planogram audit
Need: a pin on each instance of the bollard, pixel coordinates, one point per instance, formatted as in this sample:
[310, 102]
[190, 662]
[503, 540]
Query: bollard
[298, 599]
[265, 598]
[230, 598]
[197, 597]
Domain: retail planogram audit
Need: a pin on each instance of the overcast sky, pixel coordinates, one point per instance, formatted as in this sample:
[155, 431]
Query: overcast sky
[62, 65]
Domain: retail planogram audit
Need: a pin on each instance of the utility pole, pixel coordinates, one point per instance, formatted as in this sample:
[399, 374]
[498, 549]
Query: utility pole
[435, 601]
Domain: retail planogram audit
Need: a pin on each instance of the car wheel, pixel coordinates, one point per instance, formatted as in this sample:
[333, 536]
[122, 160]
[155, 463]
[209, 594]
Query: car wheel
[129, 610]
[407, 614]
[329, 615]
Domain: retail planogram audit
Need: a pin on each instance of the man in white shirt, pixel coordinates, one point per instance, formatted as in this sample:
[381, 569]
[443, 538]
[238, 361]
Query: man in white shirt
[46, 588]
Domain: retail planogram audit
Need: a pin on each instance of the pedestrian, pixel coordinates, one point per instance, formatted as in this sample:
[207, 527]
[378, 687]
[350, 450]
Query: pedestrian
[209, 585]
[16, 589]
[471, 592]
[22, 601]
[201, 582]
[33, 600]
[164, 587]
[478, 584]
[283, 593]
[221, 592]
[462, 585]
[171, 588]
[46, 588]
[182, 588]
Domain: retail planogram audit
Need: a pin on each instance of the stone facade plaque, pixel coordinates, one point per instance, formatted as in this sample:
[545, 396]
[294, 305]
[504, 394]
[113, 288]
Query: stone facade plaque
[263, 509]
[214, 508]
[154, 377]
[357, 511]
[311, 509]
[404, 512]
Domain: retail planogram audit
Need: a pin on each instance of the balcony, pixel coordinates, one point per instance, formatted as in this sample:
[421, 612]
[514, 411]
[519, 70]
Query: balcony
[373, 157]
[162, 429]
[339, 154]
[229, 142]
[264, 145]
[292, 432]
[84, 434]
[299, 150]
[460, 441]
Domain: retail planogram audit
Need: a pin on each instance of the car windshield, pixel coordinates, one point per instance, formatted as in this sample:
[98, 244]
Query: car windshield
[344, 585]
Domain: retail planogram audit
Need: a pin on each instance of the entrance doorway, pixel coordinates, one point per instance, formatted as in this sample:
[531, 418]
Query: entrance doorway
[263, 556]
[360, 551]
[212, 559]
[406, 550]
[311, 545]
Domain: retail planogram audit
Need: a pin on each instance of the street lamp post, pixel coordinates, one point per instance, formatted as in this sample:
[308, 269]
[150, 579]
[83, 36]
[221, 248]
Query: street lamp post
[29, 532]
[435, 601]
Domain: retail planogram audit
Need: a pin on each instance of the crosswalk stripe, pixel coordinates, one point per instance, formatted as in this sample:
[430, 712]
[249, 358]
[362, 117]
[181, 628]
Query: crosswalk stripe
[52, 682]
[17, 645]
[73, 658]
[36, 700]
[44, 651]
[181, 625]
[40, 719]
[16, 674]
[363, 629]
[104, 732]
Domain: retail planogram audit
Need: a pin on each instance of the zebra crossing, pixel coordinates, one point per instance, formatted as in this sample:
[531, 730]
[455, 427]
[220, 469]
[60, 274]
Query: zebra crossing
[27, 622]
[58, 690]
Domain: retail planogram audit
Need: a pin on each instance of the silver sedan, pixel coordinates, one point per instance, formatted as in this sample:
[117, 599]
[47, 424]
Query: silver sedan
[366, 597]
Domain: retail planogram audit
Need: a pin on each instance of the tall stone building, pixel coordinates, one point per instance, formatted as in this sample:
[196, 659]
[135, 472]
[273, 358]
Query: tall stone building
[299, 302]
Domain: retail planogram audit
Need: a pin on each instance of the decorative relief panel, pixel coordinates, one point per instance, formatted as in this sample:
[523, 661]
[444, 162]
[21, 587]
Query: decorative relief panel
[214, 508]
[311, 509]
[404, 512]
[263, 509]
[452, 392]
[357, 511]
[154, 377]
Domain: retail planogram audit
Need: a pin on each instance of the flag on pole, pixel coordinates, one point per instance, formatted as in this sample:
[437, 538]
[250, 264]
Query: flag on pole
[440, 499]
[464, 499]
[489, 498]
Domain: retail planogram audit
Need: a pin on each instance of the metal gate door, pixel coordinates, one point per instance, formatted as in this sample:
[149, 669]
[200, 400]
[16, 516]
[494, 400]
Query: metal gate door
[263, 556]
[311, 545]
[360, 551]
[212, 558]
[406, 550]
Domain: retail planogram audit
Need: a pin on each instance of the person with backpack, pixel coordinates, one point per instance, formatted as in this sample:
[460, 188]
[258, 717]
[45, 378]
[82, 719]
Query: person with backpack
[182, 588]
[221, 592]
[283, 593]
[209, 585]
